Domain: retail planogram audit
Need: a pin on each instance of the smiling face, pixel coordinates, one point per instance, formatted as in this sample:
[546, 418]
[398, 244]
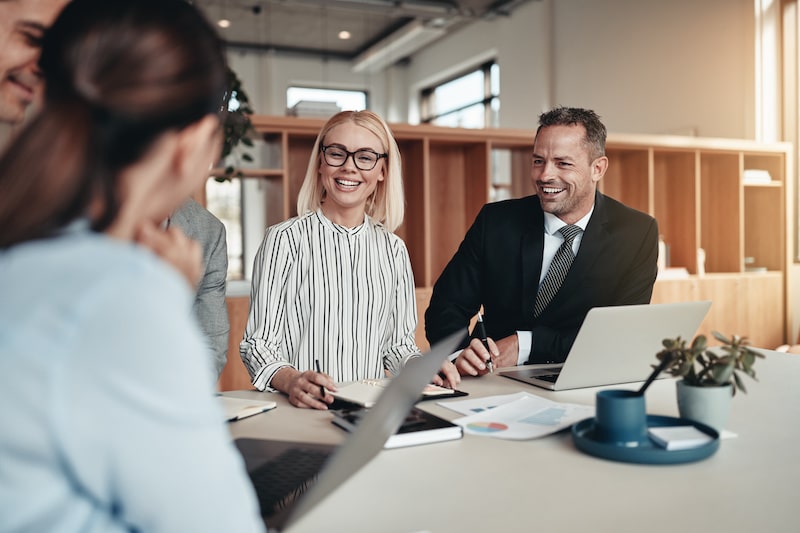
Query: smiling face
[563, 172]
[22, 26]
[348, 188]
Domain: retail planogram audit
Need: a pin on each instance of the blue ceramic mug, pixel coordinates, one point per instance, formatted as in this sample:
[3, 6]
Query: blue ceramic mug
[620, 417]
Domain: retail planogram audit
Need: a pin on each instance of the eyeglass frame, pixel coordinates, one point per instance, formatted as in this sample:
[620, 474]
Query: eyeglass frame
[323, 148]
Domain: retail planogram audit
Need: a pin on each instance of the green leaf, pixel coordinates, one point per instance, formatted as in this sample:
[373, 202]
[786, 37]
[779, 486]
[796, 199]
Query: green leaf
[720, 337]
[739, 384]
[699, 343]
[721, 374]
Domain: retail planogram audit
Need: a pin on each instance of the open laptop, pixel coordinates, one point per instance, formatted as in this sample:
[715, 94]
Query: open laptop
[616, 345]
[308, 473]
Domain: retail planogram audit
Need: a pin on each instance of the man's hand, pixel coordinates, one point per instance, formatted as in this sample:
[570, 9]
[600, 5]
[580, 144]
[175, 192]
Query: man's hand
[509, 351]
[472, 360]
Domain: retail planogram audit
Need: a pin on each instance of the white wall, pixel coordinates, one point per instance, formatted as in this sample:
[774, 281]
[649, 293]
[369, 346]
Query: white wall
[646, 66]
[650, 66]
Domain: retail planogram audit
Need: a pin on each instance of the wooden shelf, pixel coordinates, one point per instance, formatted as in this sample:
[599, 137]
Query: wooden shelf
[249, 173]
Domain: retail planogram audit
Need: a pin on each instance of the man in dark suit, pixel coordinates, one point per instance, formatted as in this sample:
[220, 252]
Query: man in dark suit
[507, 252]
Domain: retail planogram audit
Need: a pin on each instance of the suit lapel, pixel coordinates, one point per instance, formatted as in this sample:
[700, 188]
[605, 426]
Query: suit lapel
[595, 240]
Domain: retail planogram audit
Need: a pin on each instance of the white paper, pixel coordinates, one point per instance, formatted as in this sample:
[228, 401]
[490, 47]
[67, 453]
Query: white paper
[518, 416]
[679, 437]
[477, 405]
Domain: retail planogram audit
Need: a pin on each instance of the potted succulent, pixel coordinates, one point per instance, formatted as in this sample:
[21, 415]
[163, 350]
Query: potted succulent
[709, 376]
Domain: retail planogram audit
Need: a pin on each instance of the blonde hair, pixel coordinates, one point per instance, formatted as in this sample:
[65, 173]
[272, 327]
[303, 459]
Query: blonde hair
[387, 203]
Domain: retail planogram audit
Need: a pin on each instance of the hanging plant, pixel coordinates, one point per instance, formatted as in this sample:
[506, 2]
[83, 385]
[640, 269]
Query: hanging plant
[238, 130]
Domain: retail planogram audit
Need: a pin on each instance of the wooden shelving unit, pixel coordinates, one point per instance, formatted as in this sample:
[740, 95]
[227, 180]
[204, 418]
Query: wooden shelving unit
[694, 187]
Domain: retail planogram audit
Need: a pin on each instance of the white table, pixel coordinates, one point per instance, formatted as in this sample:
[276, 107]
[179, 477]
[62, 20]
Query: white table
[484, 484]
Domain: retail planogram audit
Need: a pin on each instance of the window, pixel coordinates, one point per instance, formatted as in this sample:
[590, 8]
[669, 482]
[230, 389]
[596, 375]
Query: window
[471, 100]
[323, 103]
[223, 199]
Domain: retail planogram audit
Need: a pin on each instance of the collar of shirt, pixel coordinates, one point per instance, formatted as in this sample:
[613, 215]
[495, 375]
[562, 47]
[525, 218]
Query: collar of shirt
[552, 223]
[333, 226]
[553, 239]
[78, 225]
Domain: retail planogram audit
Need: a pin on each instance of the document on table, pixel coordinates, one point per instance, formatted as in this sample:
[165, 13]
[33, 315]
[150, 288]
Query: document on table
[516, 416]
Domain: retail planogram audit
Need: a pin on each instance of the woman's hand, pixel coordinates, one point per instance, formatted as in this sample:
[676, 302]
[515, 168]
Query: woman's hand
[308, 390]
[448, 376]
[171, 245]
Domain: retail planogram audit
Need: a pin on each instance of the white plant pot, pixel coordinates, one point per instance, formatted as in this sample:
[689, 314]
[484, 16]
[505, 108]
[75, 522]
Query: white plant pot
[708, 405]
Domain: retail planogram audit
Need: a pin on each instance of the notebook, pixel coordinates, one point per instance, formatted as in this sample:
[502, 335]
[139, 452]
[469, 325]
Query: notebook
[308, 473]
[419, 427]
[365, 393]
[616, 345]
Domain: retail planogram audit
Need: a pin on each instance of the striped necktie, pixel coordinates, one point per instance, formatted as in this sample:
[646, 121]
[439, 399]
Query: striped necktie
[558, 269]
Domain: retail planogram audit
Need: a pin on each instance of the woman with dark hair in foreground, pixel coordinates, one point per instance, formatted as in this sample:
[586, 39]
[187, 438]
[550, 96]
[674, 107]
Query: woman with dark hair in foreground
[108, 414]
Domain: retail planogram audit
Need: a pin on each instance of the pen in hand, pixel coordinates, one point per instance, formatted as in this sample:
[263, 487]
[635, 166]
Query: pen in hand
[480, 329]
[321, 388]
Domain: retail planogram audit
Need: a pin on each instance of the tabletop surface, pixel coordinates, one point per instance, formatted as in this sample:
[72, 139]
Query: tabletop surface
[480, 483]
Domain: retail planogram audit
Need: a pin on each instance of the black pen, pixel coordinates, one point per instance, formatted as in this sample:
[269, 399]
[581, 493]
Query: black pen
[480, 329]
[321, 388]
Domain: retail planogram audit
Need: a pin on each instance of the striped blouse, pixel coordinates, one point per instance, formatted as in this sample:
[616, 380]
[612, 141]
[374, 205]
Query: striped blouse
[322, 291]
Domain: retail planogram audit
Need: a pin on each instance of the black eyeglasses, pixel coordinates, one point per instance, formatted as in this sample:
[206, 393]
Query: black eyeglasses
[336, 156]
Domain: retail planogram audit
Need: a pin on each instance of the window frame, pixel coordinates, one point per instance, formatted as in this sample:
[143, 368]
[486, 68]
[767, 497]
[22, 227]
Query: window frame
[488, 100]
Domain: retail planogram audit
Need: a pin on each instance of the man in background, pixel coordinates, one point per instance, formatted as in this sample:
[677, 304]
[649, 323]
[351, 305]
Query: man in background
[209, 305]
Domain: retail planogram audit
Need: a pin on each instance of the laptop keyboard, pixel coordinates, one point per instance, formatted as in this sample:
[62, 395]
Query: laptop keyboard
[551, 378]
[279, 482]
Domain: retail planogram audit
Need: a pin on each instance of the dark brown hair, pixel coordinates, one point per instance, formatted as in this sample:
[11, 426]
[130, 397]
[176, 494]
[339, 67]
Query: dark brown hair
[570, 116]
[117, 75]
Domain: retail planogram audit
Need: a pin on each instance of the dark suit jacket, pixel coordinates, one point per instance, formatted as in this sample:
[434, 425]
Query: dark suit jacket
[498, 265]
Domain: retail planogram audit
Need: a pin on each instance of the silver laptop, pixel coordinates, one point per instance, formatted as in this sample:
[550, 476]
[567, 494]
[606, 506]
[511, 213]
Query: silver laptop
[307, 473]
[616, 345]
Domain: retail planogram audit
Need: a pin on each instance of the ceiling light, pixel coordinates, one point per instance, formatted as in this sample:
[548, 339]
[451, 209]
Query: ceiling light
[223, 23]
[344, 35]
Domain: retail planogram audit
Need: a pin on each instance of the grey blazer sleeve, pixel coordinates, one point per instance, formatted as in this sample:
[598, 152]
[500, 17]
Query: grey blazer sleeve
[209, 306]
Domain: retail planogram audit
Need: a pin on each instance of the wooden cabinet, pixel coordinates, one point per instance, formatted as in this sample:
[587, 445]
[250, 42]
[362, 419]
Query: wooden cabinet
[731, 199]
[695, 188]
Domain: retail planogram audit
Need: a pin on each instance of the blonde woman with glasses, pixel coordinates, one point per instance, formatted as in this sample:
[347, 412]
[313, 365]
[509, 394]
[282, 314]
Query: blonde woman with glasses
[332, 296]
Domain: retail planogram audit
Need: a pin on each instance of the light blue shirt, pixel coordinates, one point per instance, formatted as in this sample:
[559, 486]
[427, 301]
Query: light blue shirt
[107, 416]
